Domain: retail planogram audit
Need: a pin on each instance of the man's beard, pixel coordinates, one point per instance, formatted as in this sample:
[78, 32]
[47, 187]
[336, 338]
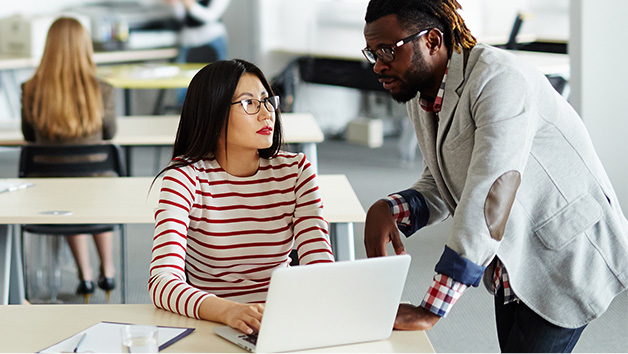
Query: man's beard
[415, 79]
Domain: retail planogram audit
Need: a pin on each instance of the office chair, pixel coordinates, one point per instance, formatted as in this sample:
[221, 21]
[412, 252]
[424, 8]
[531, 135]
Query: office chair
[199, 55]
[100, 160]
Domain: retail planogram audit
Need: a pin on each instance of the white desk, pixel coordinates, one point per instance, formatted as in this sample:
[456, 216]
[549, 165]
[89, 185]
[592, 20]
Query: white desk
[9, 62]
[298, 128]
[547, 63]
[148, 76]
[12, 62]
[125, 200]
[29, 328]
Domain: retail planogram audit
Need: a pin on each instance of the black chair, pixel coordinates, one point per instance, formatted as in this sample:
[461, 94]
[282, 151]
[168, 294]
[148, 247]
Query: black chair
[100, 160]
[202, 55]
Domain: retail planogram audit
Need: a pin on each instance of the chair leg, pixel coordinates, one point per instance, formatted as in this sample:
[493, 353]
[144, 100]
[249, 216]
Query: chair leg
[123, 263]
[54, 280]
[34, 255]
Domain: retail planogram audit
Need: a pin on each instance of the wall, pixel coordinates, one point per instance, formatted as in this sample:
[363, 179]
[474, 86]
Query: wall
[599, 82]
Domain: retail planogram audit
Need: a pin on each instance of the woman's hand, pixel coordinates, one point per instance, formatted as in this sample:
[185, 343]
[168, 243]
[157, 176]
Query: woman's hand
[244, 317]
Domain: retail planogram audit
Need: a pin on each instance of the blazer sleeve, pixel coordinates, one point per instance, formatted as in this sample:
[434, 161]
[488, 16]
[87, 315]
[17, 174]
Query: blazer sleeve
[438, 210]
[502, 111]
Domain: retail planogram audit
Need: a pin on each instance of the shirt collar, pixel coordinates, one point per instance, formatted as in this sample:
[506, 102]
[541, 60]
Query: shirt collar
[436, 106]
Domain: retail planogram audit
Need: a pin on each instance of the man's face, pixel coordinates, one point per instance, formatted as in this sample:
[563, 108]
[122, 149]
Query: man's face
[408, 73]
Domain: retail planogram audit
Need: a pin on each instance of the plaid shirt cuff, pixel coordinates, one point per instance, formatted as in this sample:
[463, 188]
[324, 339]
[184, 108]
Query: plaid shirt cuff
[399, 208]
[500, 279]
[442, 295]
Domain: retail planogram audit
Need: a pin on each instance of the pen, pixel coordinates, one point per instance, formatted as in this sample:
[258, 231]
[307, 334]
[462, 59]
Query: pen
[80, 342]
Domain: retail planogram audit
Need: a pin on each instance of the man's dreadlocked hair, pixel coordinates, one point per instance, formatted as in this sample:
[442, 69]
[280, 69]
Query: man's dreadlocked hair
[439, 14]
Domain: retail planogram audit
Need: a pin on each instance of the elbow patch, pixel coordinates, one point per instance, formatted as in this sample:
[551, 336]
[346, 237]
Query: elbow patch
[499, 202]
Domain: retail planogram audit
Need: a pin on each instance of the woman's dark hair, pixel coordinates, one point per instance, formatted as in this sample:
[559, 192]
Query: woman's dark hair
[206, 111]
[441, 14]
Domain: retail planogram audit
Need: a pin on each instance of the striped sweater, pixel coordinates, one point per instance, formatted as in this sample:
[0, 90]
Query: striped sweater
[218, 234]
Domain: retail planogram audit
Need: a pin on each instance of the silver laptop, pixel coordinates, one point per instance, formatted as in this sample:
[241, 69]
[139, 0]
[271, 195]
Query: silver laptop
[328, 304]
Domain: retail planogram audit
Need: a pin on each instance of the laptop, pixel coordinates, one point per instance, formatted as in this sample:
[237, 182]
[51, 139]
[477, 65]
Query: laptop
[327, 304]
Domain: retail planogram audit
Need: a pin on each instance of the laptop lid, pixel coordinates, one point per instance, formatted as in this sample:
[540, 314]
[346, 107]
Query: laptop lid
[331, 304]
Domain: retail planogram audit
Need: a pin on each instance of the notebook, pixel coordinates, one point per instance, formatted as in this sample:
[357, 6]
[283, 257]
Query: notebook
[328, 304]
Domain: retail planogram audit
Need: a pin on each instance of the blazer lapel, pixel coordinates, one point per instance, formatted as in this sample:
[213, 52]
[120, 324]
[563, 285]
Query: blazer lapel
[455, 80]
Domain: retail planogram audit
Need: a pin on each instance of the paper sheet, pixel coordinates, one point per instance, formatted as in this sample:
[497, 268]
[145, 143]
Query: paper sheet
[105, 337]
[12, 187]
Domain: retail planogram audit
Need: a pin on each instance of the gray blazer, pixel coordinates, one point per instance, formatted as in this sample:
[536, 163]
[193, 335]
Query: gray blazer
[512, 162]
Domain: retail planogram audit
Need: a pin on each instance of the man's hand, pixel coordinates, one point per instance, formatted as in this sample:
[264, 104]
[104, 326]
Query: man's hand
[379, 229]
[414, 318]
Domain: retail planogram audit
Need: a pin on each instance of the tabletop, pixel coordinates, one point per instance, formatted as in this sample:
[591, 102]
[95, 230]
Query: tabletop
[29, 328]
[12, 61]
[149, 75]
[162, 130]
[126, 200]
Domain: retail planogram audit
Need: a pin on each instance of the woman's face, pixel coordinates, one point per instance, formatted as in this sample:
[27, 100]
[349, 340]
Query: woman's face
[249, 131]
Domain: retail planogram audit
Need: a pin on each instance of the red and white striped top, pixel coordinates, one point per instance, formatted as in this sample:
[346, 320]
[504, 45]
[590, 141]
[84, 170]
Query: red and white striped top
[218, 234]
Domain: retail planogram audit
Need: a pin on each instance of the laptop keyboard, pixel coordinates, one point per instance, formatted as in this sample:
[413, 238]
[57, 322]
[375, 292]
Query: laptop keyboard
[251, 338]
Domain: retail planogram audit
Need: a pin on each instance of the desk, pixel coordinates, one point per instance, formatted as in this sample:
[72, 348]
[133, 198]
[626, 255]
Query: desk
[298, 128]
[547, 63]
[9, 62]
[148, 76]
[118, 200]
[124, 200]
[29, 328]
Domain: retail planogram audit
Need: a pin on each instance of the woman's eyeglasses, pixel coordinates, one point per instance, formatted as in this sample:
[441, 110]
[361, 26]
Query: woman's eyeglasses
[387, 54]
[252, 106]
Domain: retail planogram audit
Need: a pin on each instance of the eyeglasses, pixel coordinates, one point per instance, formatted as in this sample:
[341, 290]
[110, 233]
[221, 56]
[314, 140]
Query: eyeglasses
[387, 54]
[252, 106]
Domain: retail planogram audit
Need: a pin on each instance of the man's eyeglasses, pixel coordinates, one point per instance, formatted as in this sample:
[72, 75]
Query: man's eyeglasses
[253, 106]
[387, 54]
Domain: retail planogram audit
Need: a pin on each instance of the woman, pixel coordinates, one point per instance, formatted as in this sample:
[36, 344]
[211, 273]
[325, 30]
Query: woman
[202, 32]
[65, 103]
[232, 205]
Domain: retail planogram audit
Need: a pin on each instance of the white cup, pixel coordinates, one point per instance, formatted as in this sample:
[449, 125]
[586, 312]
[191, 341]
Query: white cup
[139, 339]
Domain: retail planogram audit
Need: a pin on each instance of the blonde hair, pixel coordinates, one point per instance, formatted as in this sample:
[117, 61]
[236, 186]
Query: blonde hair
[64, 95]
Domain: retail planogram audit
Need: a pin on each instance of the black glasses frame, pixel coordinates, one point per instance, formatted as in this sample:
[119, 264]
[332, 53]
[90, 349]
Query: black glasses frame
[270, 103]
[387, 54]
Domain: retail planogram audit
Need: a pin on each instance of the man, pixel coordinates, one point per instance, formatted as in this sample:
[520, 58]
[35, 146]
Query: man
[534, 214]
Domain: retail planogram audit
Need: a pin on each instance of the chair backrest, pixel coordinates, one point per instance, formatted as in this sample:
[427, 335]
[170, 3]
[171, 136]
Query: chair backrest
[203, 54]
[100, 160]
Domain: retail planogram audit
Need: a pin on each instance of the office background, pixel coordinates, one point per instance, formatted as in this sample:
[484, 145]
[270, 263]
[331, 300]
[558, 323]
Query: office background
[273, 32]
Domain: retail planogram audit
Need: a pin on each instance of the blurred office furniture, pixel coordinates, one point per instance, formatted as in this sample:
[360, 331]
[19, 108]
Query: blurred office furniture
[197, 55]
[534, 45]
[130, 200]
[299, 129]
[100, 160]
[148, 76]
[345, 72]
